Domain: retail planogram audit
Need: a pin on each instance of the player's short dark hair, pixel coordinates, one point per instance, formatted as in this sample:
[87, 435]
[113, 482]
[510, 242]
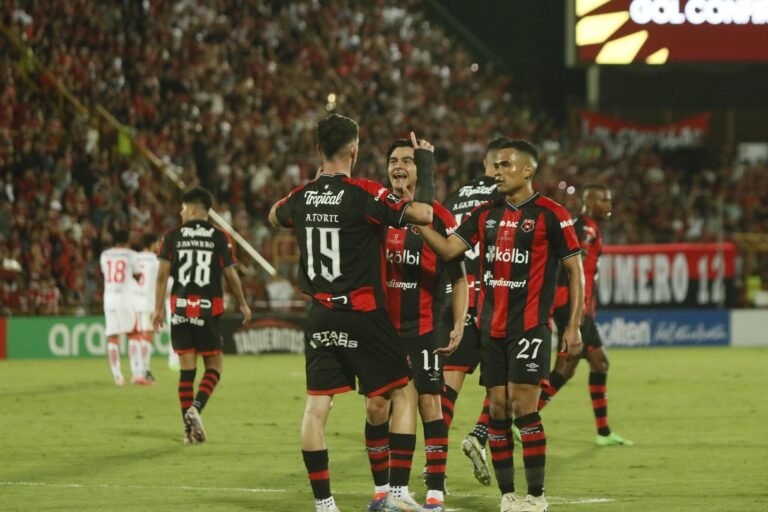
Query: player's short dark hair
[497, 143]
[585, 188]
[522, 146]
[198, 195]
[147, 239]
[399, 143]
[334, 132]
[120, 236]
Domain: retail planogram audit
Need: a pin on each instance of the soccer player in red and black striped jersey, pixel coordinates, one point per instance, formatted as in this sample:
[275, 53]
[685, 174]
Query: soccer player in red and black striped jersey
[523, 238]
[467, 357]
[197, 255]
[338, 222]
[597, 205]
[415, 302]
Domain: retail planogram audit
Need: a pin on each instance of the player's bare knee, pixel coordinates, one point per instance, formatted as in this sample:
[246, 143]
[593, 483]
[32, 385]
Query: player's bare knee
[377, 410]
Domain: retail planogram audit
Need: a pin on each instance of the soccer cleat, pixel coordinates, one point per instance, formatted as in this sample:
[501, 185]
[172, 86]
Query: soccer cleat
[510, 503]
[404, 504]
[612, 439]
[378, 502]
[476, 453]
[533, 504]
[424, 475]
[194, 424]
[150, 377]
[516, 435]
[434, 505]
[188, 439]
[141, 381]
[119, 381]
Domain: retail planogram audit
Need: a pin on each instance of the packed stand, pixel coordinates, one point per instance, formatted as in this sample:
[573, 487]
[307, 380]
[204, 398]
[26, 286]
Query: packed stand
[229, 92]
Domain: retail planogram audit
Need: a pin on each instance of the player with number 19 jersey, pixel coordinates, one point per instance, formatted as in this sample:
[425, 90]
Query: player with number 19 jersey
[338, 222]
[198, 252]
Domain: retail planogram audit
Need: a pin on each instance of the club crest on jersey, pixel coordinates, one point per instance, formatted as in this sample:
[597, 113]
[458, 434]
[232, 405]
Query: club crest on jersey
[528, 225]
[313, 198]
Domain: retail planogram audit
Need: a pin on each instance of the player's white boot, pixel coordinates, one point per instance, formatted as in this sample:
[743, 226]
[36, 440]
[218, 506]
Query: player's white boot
[511, 503]
[194, 423]
[476, 453]
[534, 504]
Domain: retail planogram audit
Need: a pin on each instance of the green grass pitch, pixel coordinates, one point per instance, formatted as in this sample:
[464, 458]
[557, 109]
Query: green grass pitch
[71, 441]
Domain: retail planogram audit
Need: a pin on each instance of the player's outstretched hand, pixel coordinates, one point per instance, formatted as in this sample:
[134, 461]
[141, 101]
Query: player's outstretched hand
[157, 320]
[246, 312]
[421, 143]
[453, 342]
[572, 344]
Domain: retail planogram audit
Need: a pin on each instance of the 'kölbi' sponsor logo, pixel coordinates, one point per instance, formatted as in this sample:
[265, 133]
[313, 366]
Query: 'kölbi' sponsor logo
[492, 253]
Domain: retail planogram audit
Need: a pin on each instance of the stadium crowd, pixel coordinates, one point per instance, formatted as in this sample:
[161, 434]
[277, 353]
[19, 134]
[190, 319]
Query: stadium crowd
[228, 92]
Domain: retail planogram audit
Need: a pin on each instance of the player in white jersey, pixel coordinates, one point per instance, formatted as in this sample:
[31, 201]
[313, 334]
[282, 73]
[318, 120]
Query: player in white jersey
[144, 299]
[118, 265]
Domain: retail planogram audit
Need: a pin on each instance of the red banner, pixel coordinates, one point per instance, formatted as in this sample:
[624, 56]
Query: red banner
[676, 275]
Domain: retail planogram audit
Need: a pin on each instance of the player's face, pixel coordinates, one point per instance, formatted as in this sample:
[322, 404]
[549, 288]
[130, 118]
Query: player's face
[511, 170]
[402, 168]
[600, 203]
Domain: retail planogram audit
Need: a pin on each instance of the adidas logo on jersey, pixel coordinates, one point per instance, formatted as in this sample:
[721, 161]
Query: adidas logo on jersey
[405, 257]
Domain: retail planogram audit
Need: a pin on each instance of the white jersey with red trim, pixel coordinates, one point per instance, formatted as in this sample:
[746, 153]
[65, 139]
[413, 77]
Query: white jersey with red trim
[118, 265]
[144, 294]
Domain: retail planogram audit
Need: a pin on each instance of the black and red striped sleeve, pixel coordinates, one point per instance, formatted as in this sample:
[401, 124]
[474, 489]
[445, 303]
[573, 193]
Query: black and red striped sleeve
[381, 205]
[469, 229]
[165, 251]
[284, 207]
[226, 249]
[561, 232]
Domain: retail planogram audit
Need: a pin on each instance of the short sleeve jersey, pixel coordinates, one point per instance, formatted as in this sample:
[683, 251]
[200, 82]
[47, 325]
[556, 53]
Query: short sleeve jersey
[338, 222]
[144, 293]
[415, 299]
[520, 250]
[198, 252]
[460, 204]
[591, 241]
[118, 265]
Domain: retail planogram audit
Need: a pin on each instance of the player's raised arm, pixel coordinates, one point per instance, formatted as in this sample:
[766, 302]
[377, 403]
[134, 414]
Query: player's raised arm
[572, 342]
[419, 211]
[447, 249]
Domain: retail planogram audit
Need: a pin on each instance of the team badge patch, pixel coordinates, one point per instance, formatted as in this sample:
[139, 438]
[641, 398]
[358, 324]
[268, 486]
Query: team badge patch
[528, 225]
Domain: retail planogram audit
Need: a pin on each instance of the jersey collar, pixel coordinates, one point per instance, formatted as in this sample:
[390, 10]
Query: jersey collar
[518, 206]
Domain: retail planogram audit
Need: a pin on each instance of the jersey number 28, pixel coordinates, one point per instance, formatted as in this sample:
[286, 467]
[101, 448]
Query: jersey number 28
[195, 262]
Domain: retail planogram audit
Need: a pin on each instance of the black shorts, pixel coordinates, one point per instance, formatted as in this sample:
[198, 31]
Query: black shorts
[200, 335]
[427, 366]
[521, 359]
[590, 336]
[467, 356]
[342, 345]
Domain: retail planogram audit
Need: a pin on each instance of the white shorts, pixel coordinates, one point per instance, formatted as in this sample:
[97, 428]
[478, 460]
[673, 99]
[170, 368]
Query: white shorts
[144, 321]
[119, 321]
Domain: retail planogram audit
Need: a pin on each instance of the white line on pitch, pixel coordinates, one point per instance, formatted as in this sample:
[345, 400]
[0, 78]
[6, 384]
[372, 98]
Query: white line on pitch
[551, 499]
[163, 487]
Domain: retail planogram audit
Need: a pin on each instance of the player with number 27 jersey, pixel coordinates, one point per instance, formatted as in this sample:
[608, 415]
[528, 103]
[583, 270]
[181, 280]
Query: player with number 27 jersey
[198, 252]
